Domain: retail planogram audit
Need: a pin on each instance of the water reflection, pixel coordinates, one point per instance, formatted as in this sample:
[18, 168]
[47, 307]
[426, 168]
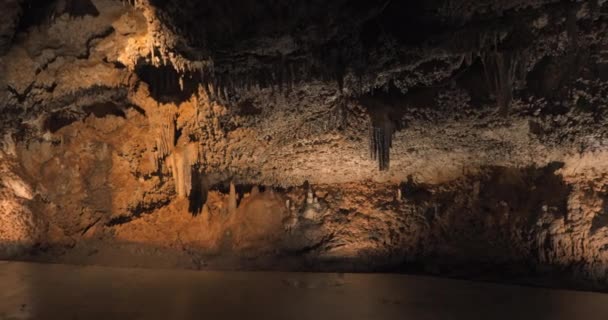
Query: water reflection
[35, 291]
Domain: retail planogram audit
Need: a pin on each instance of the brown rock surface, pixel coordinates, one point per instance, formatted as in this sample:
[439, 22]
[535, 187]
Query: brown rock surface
[125, 123]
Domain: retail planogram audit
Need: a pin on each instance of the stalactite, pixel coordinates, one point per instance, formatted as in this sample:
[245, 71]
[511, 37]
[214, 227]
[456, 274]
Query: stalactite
[501, 70]
[181, 161]
[381, 137]
[572, 28]
[166, 141]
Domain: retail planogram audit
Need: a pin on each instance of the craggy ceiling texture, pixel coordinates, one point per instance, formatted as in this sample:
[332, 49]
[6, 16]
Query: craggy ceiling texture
[453, 137]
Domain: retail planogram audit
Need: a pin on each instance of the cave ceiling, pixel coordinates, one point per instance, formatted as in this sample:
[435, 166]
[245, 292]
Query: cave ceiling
[316, 90]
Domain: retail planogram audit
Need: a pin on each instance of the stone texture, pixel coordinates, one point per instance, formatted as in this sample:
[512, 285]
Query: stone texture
[125, 128]
[20, 229]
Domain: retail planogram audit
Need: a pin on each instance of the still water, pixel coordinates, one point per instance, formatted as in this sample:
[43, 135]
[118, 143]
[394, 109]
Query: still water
[38, 291]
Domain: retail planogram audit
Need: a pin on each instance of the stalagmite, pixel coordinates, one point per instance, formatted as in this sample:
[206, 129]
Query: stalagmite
[398, 194]
[312, 206]
[309, 197]
[232, 199]
[255, 190]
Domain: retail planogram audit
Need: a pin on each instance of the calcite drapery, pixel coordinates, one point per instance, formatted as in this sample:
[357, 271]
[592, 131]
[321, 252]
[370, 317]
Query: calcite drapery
[181, 161]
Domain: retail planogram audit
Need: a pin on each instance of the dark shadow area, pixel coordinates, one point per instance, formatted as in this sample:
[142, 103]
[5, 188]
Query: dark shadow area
[410, 22]
[526, 191]
[58, 120]
[199, 192]
[601, 219]
[475, 229]
[419, 193]
[125, 254]
[473, 80]
[80, 8]
[247, 108]
[38, 12]
[166, 84]
[118, 293]
[103, 109]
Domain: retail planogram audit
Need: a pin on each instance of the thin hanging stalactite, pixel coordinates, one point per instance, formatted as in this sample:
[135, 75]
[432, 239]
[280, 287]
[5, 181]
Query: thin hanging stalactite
[381, 140]
[181, 162]
[501, 71]
[166, 141]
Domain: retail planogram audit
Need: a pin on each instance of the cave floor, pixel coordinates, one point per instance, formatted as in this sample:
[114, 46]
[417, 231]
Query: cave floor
[48, 291]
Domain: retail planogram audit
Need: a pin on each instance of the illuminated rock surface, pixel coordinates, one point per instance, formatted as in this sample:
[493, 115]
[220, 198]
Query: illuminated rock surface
[457, 138]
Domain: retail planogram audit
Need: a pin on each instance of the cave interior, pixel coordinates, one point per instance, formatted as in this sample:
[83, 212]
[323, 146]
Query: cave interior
[453, 138]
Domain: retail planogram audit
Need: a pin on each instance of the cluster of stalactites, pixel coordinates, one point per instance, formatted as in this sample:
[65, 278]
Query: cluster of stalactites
[502, 69]
[162, 40]
[224, 85]
[381, 139]
[181, 161]
[222, 82]
[179, 158]
[166, 141]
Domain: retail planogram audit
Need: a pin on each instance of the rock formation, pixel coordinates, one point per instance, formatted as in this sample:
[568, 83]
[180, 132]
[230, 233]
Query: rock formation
[130, 128]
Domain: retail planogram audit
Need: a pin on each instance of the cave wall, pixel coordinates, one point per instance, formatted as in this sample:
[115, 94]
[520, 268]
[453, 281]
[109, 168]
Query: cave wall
[118, 121]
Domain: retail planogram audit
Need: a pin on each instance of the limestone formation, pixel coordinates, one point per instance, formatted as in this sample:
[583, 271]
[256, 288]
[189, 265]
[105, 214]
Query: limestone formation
[291, 223]
[123, 121]
[181, 161]
[255, 190]
[19, 228]
[232, 199]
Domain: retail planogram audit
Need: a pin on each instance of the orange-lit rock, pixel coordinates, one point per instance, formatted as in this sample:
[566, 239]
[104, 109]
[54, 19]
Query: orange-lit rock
[198, 135]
